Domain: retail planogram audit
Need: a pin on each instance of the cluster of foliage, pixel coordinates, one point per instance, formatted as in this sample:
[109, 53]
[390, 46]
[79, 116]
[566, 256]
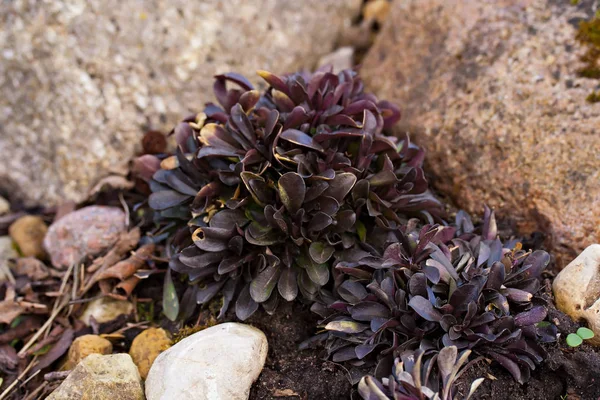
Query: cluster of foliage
[440, 286]
[295, 192]
[270, 190]
[414, 379]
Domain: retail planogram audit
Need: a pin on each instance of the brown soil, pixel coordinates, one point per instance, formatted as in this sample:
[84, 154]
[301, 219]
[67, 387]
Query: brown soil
[290, 373]
[566, 374]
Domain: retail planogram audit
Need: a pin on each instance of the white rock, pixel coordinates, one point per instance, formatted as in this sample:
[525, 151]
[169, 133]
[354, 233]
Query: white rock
[218, 363]
[577, 289]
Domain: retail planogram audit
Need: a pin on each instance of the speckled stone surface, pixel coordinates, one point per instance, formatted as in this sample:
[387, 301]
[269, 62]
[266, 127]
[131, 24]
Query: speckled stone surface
[102, 377]
[490, 89]
[80, 81]
[83, 233]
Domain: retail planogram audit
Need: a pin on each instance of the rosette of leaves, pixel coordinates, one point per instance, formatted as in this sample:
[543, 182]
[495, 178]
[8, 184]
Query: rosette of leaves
[441, 286]
[414, 378]
[277, 185]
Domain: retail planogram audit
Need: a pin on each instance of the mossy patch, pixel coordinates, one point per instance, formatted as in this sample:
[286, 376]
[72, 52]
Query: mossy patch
[593, 97]
[190, 330]
[589, 36]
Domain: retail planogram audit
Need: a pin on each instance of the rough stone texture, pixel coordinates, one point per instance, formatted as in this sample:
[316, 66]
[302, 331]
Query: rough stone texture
[339, 60]
[105, 309]
[7, 251]
[85, 345]
[147, 346]
[28, 233]
[218, 363]
[80, 81]
[490, 89]
[577, 289]
[82, 233]
[110, 377]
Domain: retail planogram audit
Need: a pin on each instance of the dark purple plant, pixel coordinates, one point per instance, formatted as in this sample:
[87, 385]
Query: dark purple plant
[435, 287]
[414, 378]
[268, 190]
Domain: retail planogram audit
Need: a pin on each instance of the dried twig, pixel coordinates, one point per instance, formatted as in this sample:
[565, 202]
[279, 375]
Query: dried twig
[56, 375]
[59, 304]
[30, 378]
[42, 330]
[34, 395]
[86, 300]
[125, 208]
[10, 387]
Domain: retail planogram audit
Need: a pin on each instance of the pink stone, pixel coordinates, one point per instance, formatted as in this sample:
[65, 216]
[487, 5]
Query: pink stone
[83, 233]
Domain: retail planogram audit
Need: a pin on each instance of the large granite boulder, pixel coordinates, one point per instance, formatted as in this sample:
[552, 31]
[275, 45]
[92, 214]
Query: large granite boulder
[80, 81]
[491, 90]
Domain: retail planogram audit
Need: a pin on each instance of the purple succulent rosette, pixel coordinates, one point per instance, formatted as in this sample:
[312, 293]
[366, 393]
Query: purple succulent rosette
[435, 287]
[268, 190]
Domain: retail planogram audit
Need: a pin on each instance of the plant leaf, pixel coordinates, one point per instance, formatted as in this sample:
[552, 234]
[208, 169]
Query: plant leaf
[245, 306]
[585, 333]
[292, 190]
[424, 308]
[574, 340]
[170, 301]
[346, 326]
[287, 285]
[318, 273]
[166, 199]
[320, 252]
[262, 286]
[301, 139]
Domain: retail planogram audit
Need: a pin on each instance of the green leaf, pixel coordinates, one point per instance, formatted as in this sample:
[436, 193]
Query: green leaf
[320, 252]
[170, 300]
[43, 350]
[318, 273]
[16, 321]
[585, 333]
[574, 340]
[361, 230]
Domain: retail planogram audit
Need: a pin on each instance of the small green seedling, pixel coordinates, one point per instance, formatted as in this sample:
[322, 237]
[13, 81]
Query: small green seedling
[575, 339]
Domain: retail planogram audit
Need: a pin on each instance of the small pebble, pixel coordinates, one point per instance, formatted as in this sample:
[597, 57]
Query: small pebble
[28, 233]
[98, 377]
[85, 345]
[147, 346]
